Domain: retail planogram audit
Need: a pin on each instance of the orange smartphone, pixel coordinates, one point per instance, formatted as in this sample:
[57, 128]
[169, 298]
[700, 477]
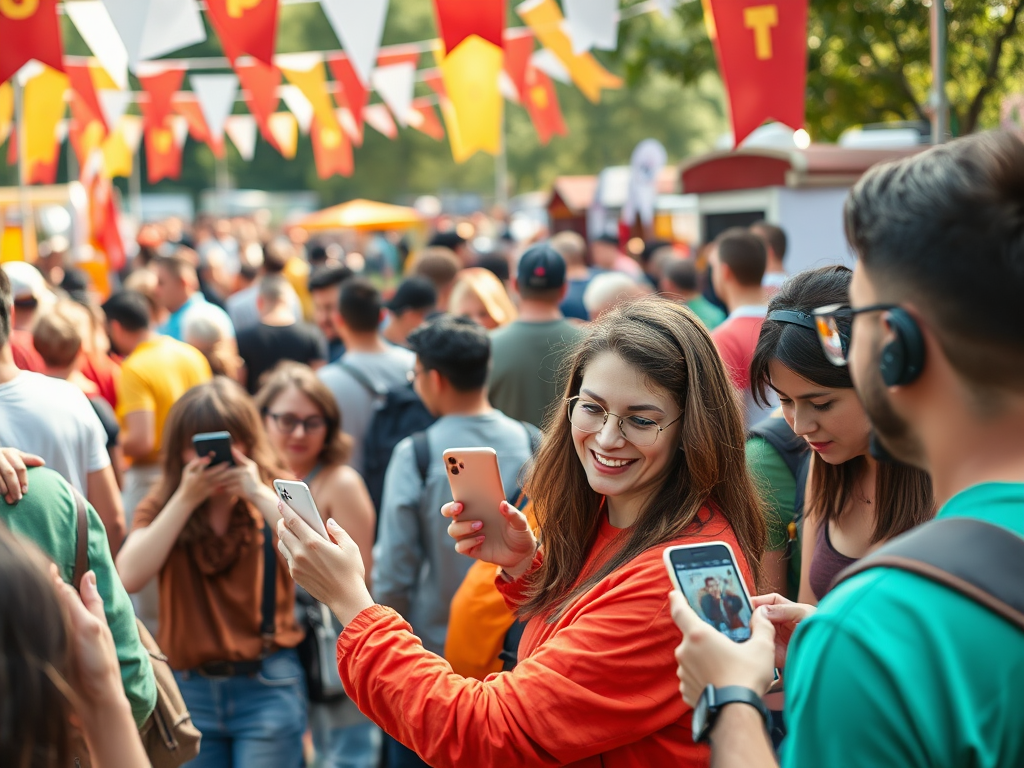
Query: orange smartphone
[476, 482]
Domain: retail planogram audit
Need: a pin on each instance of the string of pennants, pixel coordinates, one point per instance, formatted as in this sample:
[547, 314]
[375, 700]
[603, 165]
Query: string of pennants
[477, 64]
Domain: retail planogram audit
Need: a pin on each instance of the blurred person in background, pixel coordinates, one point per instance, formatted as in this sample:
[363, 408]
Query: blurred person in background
[303, 423]
[325, 290]
[243, 306]
[775, 242]
[480, 296]
[31, 293]
[498, 264]
[653, 258]
[606, 254]
[413, 302]
[680, 282]
[208, 332]
[607, 290]
[440, 266]
[280, 335]
[177, 290]
[573, 249]
[94, 362]
[145, 281]
[456, 243]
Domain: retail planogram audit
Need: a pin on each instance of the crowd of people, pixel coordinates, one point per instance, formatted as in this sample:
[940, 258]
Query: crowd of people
[814, 422]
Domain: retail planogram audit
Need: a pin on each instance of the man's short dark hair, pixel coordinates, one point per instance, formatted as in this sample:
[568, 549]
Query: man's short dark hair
[276, 255]
[944, 230]
[448, 239]
[682, 273]
[6, 304]
[328, 277]
[745, 255]
[360, 305]
[774, 236]
[129, 308]
[455, 347]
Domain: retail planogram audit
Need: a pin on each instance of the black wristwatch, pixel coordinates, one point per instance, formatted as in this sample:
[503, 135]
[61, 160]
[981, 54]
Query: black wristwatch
[711, 702]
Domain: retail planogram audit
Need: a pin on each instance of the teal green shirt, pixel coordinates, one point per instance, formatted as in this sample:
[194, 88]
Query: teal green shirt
[896, 670]
[777, 488]
[709, 314]
[48, 516]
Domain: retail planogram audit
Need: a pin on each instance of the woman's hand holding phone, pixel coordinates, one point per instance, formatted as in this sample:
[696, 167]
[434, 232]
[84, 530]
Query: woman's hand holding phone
[199, 481]
[513, 548]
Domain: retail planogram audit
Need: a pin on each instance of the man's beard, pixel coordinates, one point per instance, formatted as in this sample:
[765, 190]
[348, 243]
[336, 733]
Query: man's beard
[892, 437]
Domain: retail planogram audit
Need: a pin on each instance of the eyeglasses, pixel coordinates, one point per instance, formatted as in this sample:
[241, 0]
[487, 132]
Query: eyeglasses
[588, 416]
[834, 343]
[289, 422]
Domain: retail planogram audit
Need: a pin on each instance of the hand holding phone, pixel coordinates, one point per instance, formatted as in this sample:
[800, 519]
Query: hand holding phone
[297, 496]
[709, 579]
[216, 443]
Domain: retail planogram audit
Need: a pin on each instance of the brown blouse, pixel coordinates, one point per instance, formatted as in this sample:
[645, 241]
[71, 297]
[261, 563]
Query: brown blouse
[211, 588]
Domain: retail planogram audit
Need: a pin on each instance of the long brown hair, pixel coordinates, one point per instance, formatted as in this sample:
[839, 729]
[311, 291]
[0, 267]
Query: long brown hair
[670, 347]
[34, 657]
[218, 405]
[337, 445]
[903, 494]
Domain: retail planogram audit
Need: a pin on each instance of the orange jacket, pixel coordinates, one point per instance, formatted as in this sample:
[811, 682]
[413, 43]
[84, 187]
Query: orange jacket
[597, 687]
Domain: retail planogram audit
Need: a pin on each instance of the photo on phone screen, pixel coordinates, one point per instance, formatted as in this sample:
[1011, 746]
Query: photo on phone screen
[710, 581]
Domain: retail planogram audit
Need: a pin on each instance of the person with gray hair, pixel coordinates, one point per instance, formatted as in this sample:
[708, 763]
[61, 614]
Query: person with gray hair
[280, 335]
[607, 290]
[211, 333]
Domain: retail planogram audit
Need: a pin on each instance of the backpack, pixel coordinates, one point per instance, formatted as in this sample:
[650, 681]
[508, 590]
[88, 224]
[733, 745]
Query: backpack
[797, 456]
[398, 413]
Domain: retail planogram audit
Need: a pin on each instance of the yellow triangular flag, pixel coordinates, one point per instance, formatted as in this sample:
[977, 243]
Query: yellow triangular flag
[545, 18]
[6, 109]
[101, 79]
[313, 84]
[119, 148]
[285, 130]
[470, 74]
[44, 108]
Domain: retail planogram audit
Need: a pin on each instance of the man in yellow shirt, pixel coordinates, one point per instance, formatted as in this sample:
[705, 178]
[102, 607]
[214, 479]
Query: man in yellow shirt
[156, 371]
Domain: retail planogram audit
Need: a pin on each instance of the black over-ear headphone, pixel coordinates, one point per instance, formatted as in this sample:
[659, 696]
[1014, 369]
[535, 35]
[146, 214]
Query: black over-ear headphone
[902, 358]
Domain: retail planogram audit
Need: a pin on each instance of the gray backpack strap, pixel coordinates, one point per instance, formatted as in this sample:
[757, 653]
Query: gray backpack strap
[378, 392]
[981, 561]
[421, 450]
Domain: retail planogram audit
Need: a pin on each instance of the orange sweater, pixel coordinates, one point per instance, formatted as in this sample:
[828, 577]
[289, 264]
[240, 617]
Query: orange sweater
[597, 687]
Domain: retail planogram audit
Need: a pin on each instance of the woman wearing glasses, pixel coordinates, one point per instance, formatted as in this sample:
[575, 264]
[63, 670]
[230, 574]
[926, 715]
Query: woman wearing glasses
[303, 423]
[646, 450]
[854, 503]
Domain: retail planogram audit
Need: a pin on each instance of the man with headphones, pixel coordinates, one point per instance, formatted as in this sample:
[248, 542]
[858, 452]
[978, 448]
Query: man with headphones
[913, 659]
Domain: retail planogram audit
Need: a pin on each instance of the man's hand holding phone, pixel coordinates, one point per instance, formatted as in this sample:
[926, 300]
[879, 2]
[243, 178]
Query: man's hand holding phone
[513, 546]
[785, 615]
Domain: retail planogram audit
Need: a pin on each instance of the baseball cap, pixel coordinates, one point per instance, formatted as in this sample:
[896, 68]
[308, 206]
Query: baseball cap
[413, 293]
[27, 282]
[541, 268]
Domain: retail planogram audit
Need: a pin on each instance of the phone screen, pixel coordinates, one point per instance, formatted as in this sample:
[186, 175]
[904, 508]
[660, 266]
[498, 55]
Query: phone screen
[710, 582]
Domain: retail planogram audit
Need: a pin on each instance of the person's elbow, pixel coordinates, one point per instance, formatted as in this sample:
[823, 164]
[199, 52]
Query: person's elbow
[137, 446]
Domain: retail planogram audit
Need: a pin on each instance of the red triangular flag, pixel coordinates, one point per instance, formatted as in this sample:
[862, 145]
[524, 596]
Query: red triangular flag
[331, 151]
[29, 29]
[430, 123]
[187, 106]
[261, 82]
[160, 87]
[434, 79]
[541, 102]
[458, 19]
[245, 26]
[398, 54]
[518, 50]
[83, 87]
[356, 94]
[163, 154]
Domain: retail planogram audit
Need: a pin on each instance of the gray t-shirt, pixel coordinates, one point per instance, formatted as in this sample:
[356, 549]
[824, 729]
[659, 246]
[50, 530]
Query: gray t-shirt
[386, 369]
[416, 569]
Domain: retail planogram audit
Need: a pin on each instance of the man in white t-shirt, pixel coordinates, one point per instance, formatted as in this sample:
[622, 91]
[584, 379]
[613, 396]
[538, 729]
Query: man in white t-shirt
[53, 419]
[774, 239]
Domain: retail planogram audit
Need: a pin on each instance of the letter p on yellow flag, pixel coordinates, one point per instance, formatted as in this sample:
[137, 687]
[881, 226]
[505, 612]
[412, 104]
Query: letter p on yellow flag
[470, 74]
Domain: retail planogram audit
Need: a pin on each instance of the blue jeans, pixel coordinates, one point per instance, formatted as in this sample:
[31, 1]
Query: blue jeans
[249, 722]
[397, 755]
[357, 746]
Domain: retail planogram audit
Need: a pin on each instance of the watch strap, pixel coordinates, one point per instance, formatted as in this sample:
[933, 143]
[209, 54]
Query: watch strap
[729, 694]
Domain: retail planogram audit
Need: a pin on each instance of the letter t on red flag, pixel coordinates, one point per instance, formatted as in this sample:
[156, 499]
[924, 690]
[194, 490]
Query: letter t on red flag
[762, 50]
[29, 29]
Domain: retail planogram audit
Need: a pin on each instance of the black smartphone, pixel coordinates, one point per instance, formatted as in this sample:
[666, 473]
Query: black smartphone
[707, 576]
[217, 443]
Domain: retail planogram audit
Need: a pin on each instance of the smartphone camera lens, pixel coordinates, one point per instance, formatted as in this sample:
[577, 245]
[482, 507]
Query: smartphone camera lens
[461, 465]
[455, 470]
[452, 460]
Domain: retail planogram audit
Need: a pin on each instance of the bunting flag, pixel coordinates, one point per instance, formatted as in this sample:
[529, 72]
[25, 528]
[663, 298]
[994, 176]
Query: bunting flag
[709, 22]
[216, 97]
[151, 28]
[762, 49]
[425, 120]
[359, 25]
[160, 85]
[592, 24]
[312, 81]
[6, 110]
[163, 149]
[299, 106]
[113, 104]
[44, 109]
[458, 19]
[285, 131]
[120, 147]
[85, 132]
[186, 105]
[104, 235]
[241, 129]
[356, 95]
[29, 29]
[260, 81]
[378, 118]
[245, 26]
[348, 125]
[545, 19]
[395, 84]
[518, 49]
[470, 74]
[82, 86]
[332, 152]
[93, 23]
[435, 81]
[541, 103]
[551, 65]
[399, 54]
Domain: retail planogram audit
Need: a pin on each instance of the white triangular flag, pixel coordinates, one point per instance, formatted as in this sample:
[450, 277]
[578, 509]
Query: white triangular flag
[395, 84]
[298, 105]
[592, 24]
[93, 23]
[242, 131]
[378, 118]
[151, 28]
[114, 104]
[300, 62]
[347, 121]
[179, 127]
[359, 25]
[550, 65]
[130, 128]
[507, 88]
[216, 97]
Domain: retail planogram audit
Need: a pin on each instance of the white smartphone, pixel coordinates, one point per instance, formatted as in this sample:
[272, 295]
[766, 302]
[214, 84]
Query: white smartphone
[708, 578]
[476, 483]
[297, 496]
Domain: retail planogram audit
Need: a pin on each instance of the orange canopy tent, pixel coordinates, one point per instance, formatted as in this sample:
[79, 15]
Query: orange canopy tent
[362, 215]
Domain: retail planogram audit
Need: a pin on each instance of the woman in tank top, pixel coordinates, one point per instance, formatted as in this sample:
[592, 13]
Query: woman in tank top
[854, 502]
